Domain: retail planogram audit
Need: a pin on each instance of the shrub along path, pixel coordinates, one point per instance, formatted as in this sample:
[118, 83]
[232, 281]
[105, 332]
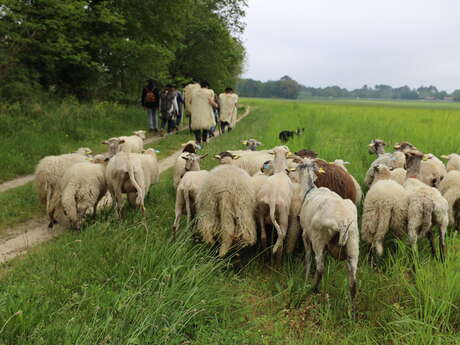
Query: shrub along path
[19, 239]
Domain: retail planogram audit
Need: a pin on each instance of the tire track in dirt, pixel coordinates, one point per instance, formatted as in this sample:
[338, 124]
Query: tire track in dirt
[22, 237]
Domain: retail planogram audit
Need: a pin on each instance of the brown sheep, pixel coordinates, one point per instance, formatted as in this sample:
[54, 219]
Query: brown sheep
[336, 179]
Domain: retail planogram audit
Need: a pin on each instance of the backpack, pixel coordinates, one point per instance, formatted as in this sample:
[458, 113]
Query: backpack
[149, 96]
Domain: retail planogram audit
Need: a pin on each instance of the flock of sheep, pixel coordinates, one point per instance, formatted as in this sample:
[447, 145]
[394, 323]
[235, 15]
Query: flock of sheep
[302, 196]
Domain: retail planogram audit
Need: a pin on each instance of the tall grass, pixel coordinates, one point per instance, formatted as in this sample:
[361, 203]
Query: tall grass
[127, 283]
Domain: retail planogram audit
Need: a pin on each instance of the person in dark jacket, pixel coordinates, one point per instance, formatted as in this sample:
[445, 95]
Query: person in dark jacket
[150, 100]
[180, 104]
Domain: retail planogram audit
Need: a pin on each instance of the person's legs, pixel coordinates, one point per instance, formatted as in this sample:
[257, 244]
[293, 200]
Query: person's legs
[150, 115]
[204, 136]
[223, 125]
[171, 125]
[197, 133]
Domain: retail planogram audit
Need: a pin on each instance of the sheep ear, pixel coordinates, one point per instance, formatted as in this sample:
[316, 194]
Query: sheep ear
[425, 158]
[217, 157]
[370, 145]
[203, 156]
[106, 159]
[346, 163]
[244, 142]
[236, 157]
[122, 141]
[321, 171]
[185, 158]
[183, 145]
[271, 152]
[292, 169]
[260, 144]
[445, 156]
[105, 142]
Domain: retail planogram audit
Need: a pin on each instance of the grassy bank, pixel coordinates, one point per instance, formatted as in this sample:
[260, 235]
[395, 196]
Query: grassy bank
[126, 283]
[31, 131]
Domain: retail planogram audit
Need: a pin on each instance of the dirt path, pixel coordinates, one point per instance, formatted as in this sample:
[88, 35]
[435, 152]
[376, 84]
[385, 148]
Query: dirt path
[21, 238]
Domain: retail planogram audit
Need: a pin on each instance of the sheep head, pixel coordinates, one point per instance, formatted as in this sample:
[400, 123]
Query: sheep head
[140, 134]
[113, 144]
[404, 146]
[376, 146]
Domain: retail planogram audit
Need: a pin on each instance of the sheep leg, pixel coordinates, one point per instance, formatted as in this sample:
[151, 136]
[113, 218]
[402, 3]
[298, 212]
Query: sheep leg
[263, 232]
[319, 258]
[227, 240]
[187, 207]
[307, 246]
[280, 228]
[292, 234]
[431, 239]
[442, 242]
[179, 207]
[352, 264]
[284, 216]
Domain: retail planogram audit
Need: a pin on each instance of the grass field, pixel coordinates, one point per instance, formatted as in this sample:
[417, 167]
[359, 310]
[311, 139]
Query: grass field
[127, 283]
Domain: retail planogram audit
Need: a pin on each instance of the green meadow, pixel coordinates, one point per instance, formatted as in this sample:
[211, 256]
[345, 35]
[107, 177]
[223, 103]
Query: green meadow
[126, 282]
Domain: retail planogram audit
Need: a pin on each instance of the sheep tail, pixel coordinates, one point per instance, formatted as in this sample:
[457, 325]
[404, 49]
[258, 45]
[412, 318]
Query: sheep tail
[140, 196]
[427, 213]
[69, 203]
[383, 221]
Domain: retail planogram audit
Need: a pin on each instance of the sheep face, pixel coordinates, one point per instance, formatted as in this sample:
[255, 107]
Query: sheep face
[306, 172]
[376, 146]
[192, 161]
[251, 144]
[113, 145]
[381, 172]
[404, 146]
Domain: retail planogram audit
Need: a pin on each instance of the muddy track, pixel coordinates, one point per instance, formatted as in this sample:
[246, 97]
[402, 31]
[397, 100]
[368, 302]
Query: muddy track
[21, 238]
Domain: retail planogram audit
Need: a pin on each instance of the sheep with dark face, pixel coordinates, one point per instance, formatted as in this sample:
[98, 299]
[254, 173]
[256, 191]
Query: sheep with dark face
[327, 220]
[251, 144]
[179, 166]
[391, 160]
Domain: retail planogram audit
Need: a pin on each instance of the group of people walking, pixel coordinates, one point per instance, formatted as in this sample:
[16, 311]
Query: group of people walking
[204, 109]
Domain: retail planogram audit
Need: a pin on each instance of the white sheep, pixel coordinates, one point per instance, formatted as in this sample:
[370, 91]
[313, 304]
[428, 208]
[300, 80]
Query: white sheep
[187, 196]
[179, 166]
[450, 190]
[293, 232]
[359, 193]
[427, 207]
[392, 160]
[226, 205]
[385, 209]
[49, 172]
[251, 161]
[453, 161]
[133, 143]
[131, 173]
[327, 221]
[275, 197]
[83, 186]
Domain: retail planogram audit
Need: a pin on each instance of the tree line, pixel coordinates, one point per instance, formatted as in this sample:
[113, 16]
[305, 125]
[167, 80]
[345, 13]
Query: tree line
[107, 49]
[288, 88]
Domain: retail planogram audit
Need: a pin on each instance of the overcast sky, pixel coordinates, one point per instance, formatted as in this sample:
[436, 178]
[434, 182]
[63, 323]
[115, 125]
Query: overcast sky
[355, 42]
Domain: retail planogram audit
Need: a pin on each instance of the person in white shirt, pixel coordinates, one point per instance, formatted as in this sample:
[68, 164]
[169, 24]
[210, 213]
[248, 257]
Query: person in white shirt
[228, 102]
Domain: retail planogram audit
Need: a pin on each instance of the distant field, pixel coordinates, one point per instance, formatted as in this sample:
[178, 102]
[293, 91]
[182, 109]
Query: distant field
[126, 283]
